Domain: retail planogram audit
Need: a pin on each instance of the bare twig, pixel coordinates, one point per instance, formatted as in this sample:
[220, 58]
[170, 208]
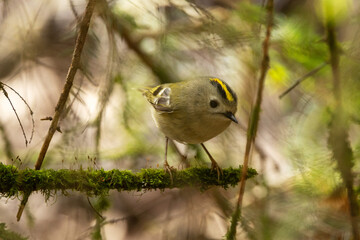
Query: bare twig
[338, 130]
[301, 79]
[107, 88]
[254, 119]
[72, 6]
[75, 64]
[102, 224]
[17, 116]
[96, 211]
[46, 118]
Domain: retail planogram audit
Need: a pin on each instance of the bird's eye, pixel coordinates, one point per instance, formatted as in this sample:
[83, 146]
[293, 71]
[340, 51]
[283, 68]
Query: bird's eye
[214, 103]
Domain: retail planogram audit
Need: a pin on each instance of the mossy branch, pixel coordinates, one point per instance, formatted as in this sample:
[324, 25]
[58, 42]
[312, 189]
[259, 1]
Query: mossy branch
[97, 182]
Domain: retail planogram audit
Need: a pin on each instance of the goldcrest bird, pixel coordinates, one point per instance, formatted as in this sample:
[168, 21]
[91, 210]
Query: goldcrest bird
[193, 111]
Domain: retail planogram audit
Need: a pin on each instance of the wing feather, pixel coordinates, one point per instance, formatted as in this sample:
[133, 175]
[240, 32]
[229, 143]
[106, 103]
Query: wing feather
[159, 97]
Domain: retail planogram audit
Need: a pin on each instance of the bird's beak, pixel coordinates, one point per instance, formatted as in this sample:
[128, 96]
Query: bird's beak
[231, 116]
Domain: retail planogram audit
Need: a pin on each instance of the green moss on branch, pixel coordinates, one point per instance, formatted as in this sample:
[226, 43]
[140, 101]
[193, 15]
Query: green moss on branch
[98, 182]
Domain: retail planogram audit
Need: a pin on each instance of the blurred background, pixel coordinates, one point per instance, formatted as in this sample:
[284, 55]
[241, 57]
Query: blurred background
[298, 193]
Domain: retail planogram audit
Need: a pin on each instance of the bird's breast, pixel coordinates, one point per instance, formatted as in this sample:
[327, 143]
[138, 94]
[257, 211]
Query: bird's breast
[190, 128]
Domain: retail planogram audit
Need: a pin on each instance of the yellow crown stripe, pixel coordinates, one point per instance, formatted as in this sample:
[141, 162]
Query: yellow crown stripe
[229, 96]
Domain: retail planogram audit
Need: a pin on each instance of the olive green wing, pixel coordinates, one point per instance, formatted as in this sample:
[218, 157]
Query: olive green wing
[159, 97]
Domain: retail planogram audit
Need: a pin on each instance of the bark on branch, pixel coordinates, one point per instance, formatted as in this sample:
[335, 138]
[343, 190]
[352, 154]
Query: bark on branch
[75, 64]
[97, 182]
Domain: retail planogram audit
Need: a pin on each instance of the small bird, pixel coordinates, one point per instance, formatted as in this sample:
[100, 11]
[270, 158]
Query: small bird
[193, 111]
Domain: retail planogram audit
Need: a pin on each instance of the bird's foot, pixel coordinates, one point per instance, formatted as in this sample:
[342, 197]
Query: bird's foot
[169, 169]
[215, 166]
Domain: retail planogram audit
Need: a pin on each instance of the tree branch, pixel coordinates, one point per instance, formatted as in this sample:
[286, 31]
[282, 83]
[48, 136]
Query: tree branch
[97, 182]
[75, 64]
[339, 127]
[254, 119]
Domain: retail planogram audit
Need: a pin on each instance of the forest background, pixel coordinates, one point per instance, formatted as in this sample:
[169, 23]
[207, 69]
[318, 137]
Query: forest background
[298, 60]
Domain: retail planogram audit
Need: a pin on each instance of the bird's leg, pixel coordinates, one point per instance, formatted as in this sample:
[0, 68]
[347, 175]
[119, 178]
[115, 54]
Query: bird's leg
[214, 164]
[167, 167]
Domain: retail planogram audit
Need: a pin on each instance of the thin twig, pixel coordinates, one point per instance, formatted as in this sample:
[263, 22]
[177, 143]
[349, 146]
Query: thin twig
[72, 6]
[14, 110]
[338, 134]
[75, 64]
[27, 105]
[107, 88]
[254, 119]
[102, 224]
[96, 211]
[301, 79]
